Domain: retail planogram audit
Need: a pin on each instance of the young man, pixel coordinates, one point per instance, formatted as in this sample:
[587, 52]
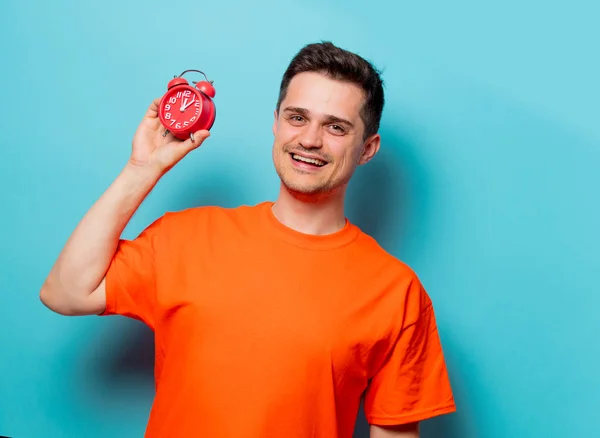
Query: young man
[271, 320]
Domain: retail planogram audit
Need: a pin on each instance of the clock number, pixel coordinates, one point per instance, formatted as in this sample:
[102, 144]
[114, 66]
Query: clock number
[177, 126]
[167, 107]
[173, 100]
[188, 93]
[178, 94]
[168, 116]
[185, 124]
[197, 104]
[172, 121]
[192, 119]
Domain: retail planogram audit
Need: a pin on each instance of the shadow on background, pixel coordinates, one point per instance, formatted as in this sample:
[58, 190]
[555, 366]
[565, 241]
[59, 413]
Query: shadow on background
[378, 198]
[388, 198]
[385, 198]
[131, 357]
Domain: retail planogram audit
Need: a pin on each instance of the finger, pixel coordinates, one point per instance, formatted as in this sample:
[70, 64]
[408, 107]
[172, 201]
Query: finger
[196, 139]
[152, 111]
[182, 148]
[167, 136]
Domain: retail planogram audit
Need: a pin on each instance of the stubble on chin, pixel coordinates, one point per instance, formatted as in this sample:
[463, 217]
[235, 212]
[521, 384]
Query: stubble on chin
[314, 188]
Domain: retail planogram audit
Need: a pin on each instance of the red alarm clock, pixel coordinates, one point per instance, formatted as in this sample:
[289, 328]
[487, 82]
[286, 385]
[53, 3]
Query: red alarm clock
[185, 109]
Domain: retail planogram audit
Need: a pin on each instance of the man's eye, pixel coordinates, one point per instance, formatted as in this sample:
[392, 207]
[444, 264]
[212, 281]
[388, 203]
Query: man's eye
[337, 129]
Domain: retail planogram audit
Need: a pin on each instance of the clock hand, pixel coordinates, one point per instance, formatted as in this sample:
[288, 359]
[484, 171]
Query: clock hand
[186, 106]
[183, 105]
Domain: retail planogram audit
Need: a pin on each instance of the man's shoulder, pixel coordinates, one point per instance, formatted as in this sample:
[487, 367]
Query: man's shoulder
[368, 247]
[391, 277]
[213, 215]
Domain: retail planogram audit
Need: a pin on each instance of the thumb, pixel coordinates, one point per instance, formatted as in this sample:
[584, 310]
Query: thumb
[195, 140]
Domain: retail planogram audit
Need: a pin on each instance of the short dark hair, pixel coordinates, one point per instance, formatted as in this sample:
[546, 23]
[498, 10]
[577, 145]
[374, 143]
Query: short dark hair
[340, 64]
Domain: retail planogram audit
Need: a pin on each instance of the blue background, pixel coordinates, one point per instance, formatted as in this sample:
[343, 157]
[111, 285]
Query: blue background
[486, 185]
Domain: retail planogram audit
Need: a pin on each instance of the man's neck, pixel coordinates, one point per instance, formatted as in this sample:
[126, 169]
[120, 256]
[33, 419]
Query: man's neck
[309, 216]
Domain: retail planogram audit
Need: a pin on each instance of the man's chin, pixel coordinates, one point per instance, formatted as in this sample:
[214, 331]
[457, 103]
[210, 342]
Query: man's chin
[304, 186]
[307, 192]
[302, 189]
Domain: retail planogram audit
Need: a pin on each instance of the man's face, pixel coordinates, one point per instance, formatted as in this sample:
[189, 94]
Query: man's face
[319, 135]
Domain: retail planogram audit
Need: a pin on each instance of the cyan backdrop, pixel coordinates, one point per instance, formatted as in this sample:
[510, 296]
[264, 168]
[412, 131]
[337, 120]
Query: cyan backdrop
[486, 185]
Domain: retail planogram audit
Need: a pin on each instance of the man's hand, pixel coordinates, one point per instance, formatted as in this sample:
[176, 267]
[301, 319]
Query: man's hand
[154, 152]
[410, 430]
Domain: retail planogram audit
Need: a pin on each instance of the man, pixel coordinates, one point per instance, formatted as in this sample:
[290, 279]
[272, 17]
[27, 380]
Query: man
[271, 320]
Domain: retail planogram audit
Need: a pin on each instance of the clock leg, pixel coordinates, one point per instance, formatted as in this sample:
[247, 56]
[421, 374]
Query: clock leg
[192, 137]
[165, 133]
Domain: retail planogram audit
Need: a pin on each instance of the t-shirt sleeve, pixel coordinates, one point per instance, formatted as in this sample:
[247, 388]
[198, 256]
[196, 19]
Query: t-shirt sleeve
[131, 277]
[413, 383]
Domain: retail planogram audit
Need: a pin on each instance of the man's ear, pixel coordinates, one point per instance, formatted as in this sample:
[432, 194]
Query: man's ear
[370, 149]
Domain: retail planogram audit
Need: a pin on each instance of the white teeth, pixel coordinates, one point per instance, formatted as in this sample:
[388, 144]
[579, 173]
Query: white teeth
[309, 160]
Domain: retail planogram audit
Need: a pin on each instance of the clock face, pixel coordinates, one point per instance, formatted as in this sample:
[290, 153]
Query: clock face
[181, 108]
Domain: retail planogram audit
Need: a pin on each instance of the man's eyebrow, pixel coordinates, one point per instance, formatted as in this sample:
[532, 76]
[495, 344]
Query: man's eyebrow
[295, 109]
[330, 118]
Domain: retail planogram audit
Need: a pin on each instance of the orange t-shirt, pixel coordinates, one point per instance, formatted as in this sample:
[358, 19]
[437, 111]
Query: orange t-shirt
[262, 331]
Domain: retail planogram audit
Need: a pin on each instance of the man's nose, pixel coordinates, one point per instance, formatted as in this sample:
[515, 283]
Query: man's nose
[311, 136]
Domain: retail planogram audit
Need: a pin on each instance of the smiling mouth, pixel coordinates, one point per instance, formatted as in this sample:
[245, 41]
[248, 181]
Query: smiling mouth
[313, 161]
